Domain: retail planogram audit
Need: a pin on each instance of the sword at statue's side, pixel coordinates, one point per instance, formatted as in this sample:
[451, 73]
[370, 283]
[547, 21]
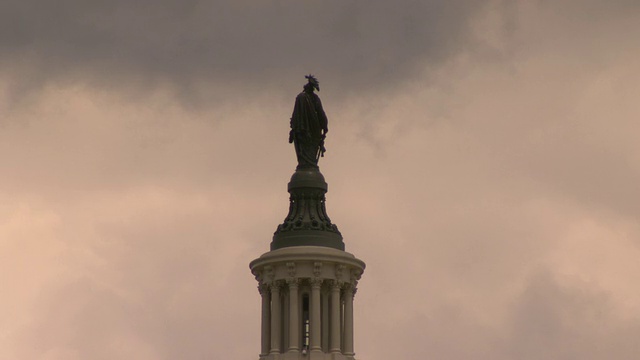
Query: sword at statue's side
[321, 148]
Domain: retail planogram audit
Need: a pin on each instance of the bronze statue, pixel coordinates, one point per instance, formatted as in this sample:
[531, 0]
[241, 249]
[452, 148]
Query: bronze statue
[308, 125]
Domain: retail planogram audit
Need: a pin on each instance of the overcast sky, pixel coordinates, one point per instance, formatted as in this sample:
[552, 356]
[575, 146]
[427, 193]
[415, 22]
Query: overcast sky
[482, 159]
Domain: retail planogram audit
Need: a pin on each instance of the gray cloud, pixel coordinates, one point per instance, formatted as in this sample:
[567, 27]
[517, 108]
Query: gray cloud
[225, 43]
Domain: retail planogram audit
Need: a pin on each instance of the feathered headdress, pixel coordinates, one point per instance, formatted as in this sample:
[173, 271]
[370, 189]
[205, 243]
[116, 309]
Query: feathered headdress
[313, 81]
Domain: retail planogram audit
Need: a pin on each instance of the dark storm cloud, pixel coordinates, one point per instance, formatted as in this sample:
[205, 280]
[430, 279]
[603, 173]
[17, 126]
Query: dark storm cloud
[188, 42]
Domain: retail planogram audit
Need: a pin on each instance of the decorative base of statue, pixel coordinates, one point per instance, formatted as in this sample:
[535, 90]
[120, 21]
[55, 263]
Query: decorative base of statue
[307, 223]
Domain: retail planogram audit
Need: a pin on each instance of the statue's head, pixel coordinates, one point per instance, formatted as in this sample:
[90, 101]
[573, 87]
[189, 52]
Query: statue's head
[312, 83]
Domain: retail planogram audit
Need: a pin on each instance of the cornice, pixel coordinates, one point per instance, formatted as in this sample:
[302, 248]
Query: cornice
[307, 254]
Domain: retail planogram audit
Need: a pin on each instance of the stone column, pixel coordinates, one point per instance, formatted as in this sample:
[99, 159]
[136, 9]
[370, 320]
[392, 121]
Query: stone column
[294, 322]
[284, 322]
[265, 324]
[316, 329]
[275, 318]
[348, 321]
[342, 323]
[335, 317]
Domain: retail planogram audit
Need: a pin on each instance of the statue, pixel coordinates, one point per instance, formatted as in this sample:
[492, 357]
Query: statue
[308, 126]
[307, 223]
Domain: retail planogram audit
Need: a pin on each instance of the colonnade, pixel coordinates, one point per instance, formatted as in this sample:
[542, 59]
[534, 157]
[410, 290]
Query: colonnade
[325, 296]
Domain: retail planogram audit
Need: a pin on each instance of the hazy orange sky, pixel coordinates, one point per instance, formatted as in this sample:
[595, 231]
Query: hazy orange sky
[482, 159]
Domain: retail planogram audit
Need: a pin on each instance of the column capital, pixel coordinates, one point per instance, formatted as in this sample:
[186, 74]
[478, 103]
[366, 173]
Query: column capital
[335, 284]
[263, 289]
[348, 287]
[293, 282]
[275, 286]
[350, 290]
[316, 282]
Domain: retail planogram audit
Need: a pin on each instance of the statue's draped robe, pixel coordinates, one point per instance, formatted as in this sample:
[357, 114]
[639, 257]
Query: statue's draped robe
[308, 125]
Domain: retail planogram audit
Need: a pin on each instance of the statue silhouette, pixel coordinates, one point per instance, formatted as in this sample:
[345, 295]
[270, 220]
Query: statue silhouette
[308, 125]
